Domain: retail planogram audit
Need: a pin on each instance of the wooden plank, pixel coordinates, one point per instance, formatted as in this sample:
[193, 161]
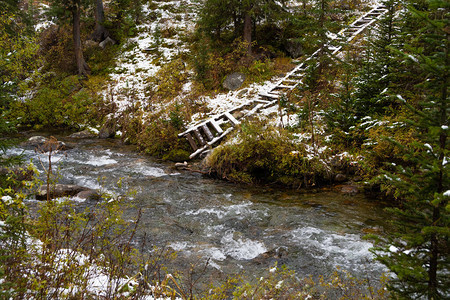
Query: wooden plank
[191, 142]
[199, 137]
[254, 110]
[282, 86]
[207, 132]
[262, 101]
[216, 126]
[275, 92]
[272, 103]
[267, 95]
[231, 118]
[210, 143]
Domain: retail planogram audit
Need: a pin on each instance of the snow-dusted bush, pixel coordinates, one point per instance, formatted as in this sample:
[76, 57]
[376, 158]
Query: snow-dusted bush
[267, 154]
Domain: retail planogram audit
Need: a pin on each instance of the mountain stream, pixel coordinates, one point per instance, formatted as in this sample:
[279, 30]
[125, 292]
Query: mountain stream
[237, 227]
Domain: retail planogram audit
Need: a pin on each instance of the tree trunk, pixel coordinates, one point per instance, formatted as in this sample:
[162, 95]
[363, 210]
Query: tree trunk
[83, 68]
[248, 30]
[323, 35]
[434, 245]
[236, 23]
[100, 33]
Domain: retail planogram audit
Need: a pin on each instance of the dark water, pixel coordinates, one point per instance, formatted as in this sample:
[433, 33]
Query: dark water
[236, 227]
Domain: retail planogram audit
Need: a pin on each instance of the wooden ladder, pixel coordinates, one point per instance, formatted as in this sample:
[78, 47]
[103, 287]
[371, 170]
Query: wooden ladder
[206, 134]
[294, 78]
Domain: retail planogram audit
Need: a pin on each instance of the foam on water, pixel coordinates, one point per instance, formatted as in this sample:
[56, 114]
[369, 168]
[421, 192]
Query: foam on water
[239, 210]
[241, 248]
[149, 171]
[87, 181]
[341, 249]
[99, 161]
[212, 231]
[214, 253]
[179, 246]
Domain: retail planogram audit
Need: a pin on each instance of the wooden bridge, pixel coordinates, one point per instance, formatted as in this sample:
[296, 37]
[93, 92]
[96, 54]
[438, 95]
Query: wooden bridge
[204, 135]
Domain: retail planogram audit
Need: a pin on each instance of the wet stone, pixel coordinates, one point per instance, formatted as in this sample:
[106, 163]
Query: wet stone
[90, 195]
[60, 190]
[234, 81]
[85, 134]
[349, 189]
[340, 178]
[43, 144]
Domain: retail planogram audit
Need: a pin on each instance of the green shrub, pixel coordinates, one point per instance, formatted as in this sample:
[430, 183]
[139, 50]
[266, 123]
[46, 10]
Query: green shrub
[59, 102]
[265, 154]
[177, 155]
[282, 283]
[157, 135]
[259, 71]
[61, 251]
[168, 81]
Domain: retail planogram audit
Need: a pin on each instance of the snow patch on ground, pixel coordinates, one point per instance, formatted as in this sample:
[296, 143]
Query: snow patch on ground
[148, 51]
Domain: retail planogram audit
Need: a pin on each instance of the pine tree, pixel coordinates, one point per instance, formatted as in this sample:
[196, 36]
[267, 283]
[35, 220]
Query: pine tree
[417, 251]
[18, 51]
[239, 17]
[380, 68]
[100, 32]
[71, 9]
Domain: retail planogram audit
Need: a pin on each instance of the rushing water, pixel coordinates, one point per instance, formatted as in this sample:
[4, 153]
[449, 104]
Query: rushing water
[237, 227]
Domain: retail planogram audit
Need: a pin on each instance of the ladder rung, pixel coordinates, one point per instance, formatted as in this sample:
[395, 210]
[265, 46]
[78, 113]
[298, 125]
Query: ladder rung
[207, 132]
[282, 86]
[216, 126]
[191, 142]
[199, 137]
[232, 119]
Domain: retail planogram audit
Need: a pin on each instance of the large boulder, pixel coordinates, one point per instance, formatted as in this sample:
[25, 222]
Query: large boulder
[349, 189]
[106, 42]
[340, 178]
[293, 47]
[62, 190]
[90, 195]
[85, 134]
[43, 144]
[108, 130]
[234, 81]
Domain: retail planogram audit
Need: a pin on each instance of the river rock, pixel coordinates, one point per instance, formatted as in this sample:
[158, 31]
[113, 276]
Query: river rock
[85, 134]
[106, 42]
[293, 47]
[340, 178]
[349, 189]
[60, 190]
[43, 144]
[90, 195]
[234, 81]
[277, 253]
[108, 130]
